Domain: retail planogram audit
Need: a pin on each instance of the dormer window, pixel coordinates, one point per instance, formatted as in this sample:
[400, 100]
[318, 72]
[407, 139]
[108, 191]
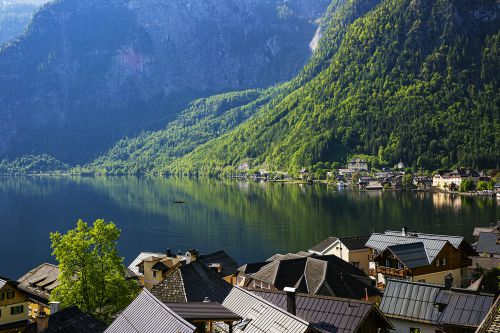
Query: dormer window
[10, 294]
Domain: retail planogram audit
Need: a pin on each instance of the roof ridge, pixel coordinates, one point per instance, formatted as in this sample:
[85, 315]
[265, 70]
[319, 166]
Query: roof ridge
[152, 297]
[274, 306]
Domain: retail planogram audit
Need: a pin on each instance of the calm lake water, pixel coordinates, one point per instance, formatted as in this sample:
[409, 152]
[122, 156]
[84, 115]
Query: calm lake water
[251, 221]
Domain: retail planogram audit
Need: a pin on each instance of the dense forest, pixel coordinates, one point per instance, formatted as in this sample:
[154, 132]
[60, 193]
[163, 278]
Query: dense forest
[415, 81]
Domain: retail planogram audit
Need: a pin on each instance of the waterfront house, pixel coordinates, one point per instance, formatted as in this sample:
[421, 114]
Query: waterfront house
[418, 256]
[148, 314]
[422, 182]
[69, 320]
[350, 249]
[357, 164]
[13, 306]
[330, 314]
[487, 248]
[313, 274]
[430, 308]
[304, 174]
[451, 179]
[37, 285]
[497, 188]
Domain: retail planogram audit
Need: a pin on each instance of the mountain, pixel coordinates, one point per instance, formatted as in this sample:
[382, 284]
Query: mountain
[391, 80]
[411, 80]
[88, 73]
[14, 19]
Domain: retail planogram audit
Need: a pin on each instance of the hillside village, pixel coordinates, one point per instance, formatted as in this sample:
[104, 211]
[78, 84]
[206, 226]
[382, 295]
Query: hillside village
[390, 281]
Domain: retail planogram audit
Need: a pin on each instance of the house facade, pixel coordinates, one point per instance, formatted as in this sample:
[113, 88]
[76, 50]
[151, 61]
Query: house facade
[350, 249]
[418, 257]
[13, 305]
[357, 164]
[451, 179]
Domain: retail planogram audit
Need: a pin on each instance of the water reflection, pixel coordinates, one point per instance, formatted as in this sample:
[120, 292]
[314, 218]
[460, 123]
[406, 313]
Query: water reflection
[249, 220]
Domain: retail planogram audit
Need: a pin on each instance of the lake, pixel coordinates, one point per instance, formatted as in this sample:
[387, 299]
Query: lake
[251, 221]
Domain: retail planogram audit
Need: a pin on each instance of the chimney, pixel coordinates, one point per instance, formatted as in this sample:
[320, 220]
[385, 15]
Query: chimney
[169, 253]
[54, 307]
[404, 231]
[291, 305]
[448, 281]
[42, 322]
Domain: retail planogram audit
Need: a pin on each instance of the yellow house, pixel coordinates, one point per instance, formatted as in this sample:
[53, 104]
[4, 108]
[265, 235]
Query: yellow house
[37, 285]
[13, 306]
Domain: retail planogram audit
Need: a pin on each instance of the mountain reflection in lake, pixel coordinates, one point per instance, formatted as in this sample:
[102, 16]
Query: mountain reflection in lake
[251, 221]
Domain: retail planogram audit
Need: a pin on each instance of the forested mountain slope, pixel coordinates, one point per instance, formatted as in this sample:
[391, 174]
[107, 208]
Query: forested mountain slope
[411, 80]
[207, 119]
[87, 73]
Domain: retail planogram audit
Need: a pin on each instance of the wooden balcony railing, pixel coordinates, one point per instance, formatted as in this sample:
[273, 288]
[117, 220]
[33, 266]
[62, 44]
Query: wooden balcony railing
[389, 271]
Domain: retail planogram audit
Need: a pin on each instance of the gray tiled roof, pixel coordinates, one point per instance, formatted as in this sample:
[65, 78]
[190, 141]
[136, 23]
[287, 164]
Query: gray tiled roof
[322, 275]
[265, 316]
[203, 311]
[71, 320]
[491, 324]
[328, 314]
[192, 283]
[463, 309]
[411, 255]
[433, 243]
[409, 300]
[228, 264]
[40, 281]
[487, 243]
[2, 283]
[423, 302]
[146, 314]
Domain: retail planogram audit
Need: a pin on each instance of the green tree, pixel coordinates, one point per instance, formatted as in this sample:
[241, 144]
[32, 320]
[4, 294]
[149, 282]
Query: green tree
[92, 275]
[467, 185]
[482, 185]
[407, 182]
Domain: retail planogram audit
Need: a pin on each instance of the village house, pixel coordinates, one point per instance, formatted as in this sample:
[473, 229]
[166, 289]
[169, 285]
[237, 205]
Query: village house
[357, 164]
[312, 274]
[37, 285]
[487, 248]
[68, 320]
[419, 257]
[152, 268]
[417, 307]
[491, 323]
[330, 314]
[13, 306]
[350, 249]
[451, 179]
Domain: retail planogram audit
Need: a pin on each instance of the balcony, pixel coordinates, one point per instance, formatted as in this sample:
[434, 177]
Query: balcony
[389, 271]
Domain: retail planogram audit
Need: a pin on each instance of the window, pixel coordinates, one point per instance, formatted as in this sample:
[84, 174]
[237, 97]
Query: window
[437, 262]
[443, 261]
[415, 330]
[2, 296]
[355, 264]
[154, 274]
[16, 310]
[10, 294]
[0, 313]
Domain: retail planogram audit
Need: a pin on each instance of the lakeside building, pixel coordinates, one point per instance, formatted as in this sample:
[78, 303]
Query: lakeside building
[430, 308]
[418, 256]
[350, 249]
[311, 274]
[487, 248]
[451, 179]
[14, 303]
[37, 285]
[151, 268]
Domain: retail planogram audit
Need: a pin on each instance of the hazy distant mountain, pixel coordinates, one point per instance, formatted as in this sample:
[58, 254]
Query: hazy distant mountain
[88, 72]
[14, 18]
